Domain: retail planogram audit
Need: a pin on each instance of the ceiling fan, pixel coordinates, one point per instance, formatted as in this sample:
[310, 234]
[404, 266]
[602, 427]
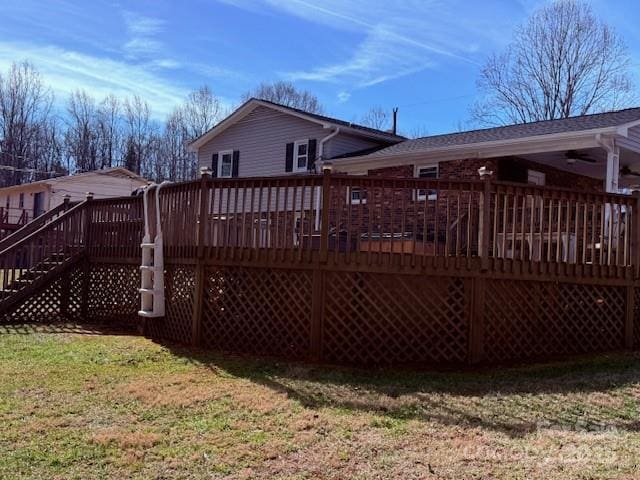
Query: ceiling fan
[626, 171]
[573, 156]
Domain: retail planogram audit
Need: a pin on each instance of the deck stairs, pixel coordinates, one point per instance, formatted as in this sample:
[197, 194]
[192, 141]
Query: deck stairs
[152, 298]
[38, 256]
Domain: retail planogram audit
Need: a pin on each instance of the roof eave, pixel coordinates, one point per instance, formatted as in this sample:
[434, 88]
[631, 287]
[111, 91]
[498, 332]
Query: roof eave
[481, 149]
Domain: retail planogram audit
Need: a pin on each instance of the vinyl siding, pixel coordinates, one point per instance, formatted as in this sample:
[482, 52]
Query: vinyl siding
[342, 144]
[261, 137]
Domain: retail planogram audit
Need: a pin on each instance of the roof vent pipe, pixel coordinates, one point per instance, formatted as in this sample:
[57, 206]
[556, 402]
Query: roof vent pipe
[395, 120]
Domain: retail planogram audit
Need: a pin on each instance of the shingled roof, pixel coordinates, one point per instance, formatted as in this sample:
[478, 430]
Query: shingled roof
[513, 132]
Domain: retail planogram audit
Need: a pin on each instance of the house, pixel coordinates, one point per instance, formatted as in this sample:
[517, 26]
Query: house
[263, 138]
[20, 204]
[591, 152]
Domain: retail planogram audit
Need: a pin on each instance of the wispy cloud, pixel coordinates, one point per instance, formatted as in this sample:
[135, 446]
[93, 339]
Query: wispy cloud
[143, 31]
[67, 70]
[397, 38]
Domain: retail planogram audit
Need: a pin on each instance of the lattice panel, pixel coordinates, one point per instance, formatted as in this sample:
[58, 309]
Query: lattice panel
[261, 311]
[538, 320]
[58, 301]
[179, 291]
[375, 319]
[113, 293]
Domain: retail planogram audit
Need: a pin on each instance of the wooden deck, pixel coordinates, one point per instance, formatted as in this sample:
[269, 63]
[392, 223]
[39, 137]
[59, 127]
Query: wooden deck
[352, 270]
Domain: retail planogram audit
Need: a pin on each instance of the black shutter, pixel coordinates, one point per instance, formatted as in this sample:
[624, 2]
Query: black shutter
[236, 163]
[214, 165]
[311, 150]
[288, 164]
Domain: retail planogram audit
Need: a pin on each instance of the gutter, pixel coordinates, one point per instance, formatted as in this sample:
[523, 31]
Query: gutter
[325, 140]
[475, 149]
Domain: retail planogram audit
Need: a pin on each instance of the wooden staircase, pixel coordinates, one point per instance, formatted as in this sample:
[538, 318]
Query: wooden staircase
[39, 255]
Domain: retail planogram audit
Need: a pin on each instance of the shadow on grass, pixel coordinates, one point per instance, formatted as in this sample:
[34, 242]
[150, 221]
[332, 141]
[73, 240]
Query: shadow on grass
[515, 400]
[125, 329]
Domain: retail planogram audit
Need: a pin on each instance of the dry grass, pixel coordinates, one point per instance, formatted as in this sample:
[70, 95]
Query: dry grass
[86, 406]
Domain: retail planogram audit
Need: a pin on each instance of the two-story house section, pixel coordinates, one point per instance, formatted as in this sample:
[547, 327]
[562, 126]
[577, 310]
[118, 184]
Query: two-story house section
[262, 138]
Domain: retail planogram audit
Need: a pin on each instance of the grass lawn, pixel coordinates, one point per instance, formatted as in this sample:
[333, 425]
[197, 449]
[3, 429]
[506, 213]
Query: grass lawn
[95, 406]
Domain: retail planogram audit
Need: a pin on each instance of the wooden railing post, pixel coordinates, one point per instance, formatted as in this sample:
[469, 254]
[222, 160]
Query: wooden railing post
[635, 263]
[477, 295]
[86, 280]
[198, 297]
[324, 223]
[319, 274]
[484, 222]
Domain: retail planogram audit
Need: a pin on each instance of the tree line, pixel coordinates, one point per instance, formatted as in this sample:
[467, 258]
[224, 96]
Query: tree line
[563, 61]
[39, 141]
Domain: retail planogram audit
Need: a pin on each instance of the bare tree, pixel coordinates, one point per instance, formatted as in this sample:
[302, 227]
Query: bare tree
[562, 62]
[109, 125]
[139, 135]
[81, 136]
[378, 118]
[25, 104]
[285, 93]
[200, 112]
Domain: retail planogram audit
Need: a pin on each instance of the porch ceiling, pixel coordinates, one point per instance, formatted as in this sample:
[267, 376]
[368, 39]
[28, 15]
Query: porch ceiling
[558, 159]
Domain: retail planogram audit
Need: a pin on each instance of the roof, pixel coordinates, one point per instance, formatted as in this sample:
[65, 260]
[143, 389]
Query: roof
[325, 121]
[514, 132]
[112, 172]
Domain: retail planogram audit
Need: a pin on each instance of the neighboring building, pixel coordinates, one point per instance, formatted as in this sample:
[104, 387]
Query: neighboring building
[21, 203]
[591, 152]
[264, 139]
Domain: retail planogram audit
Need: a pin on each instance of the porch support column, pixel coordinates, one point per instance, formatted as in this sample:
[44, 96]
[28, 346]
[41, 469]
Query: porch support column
[613, 166]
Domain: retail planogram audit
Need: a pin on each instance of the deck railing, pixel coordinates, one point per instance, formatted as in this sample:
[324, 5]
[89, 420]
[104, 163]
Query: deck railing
[369, 219]
[340, 215]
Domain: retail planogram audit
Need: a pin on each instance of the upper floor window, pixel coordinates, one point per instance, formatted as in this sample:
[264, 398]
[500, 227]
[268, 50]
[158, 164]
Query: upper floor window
[225, 164]
[21, 201]
[301, 155]
[427, 171]
[8, 202]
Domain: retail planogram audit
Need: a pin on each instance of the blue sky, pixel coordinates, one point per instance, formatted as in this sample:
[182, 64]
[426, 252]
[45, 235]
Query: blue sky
[420, 55]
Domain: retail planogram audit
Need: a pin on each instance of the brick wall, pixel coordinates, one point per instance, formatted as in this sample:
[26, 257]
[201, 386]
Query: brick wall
[467, 169]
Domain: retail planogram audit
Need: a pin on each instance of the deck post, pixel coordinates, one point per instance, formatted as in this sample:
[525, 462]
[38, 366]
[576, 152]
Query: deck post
[635, 236]
[198, 297]
[86, 267]
[478, 287]
[326, 205]
[484, 222]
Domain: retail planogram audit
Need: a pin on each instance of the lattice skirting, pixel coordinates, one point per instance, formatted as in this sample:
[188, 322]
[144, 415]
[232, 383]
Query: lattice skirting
[180, 281]
[526, 319]
[636, 318]
[394, 319]
[113, 293]
[258, 311]
[58, 301]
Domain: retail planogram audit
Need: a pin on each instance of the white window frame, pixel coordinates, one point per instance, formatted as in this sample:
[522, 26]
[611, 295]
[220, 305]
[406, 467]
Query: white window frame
[421, 197]
[221, 155]
[357, 201]
[296, 144]
[536, 177]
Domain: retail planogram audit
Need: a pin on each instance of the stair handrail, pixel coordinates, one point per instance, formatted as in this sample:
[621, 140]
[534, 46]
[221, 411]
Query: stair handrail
[42, 229]
[34, 225]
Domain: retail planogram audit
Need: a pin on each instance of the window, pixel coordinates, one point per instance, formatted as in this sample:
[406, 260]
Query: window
[8, 202]
[21, 201]
[357, 195]
[300, 155]
[225, 164]
[535, 178]
[426, 171]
